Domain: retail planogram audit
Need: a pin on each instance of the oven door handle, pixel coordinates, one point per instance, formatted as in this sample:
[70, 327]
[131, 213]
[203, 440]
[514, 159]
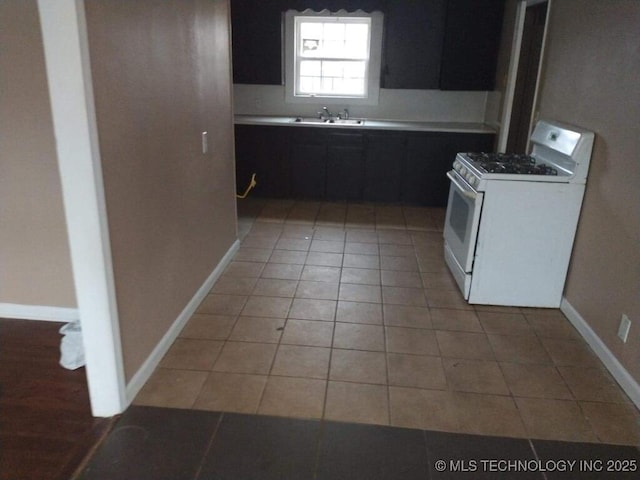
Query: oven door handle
[464, 190]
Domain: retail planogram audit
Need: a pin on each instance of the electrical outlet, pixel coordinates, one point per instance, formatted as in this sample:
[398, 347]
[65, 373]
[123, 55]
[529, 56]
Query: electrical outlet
[623, 329]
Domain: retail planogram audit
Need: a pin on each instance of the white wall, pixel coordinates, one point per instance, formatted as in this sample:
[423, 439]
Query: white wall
[411, 105]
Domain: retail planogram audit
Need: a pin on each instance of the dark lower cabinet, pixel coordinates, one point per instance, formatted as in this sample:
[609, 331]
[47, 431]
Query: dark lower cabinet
[383, 168]
[345, 166]
[364, 165]
[262, 150]
[429, 158]
[423, 177]
[326, 164]
[308, 171]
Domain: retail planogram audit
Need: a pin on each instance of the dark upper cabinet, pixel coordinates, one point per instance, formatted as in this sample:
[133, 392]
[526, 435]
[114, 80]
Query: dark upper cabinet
[256, 39]
[413, 44]
[471, 42]
[427, 44]
[257, 34]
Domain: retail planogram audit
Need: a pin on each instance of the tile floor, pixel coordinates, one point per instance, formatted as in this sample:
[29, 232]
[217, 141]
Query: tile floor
[346, 312]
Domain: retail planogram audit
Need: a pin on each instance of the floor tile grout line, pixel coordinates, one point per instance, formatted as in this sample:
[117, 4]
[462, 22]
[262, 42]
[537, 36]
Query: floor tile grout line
[273, 360]
[386, 364]
[330, 364]
[333, 336]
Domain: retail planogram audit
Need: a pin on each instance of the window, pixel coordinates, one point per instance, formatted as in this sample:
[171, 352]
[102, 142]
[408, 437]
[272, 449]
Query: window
[333, 56]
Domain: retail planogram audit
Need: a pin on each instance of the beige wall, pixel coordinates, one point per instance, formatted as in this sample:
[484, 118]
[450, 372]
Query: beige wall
[35, 264]
[591, 78]
[161, 76]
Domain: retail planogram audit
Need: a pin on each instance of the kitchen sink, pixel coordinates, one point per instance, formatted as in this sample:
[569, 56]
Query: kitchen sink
[347, 121]
[332, 121]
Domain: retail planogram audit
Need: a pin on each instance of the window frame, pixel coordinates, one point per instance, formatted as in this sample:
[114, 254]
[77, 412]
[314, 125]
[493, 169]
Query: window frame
[373, 69]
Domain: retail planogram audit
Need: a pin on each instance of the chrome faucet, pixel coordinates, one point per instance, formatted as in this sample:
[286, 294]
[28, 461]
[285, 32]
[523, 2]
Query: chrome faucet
[325, 114]
[344, 115]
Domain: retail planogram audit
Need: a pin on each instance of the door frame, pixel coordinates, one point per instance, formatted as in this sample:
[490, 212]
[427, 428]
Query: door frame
[516, 45]
[66, 50]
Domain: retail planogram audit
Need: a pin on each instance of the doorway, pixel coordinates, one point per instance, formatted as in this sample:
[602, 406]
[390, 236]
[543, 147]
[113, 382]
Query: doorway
[527, 78]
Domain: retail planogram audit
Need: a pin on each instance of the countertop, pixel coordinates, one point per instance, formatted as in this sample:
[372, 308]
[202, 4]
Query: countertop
[370, 124]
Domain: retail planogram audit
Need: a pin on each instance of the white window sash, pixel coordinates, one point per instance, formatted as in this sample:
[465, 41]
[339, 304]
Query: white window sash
[372, 61]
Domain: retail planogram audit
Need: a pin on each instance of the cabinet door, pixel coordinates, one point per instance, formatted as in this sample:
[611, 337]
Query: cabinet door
[345, 166]
[424, 180]
[413, 44]
[384, 163]
[471, 43]
[308, 163]
[256, 41]
[429, 157]
[262, 150]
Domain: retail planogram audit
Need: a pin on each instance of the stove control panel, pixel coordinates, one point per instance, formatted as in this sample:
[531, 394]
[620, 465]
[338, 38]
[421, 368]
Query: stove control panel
[464, 173]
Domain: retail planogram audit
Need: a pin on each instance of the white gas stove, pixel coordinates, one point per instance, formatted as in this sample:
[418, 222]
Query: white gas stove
[511, 218]
[560, 154]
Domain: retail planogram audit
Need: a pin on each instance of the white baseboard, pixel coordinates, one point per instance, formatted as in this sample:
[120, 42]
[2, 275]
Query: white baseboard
[144, 372]
[622, 376]
[38, 312]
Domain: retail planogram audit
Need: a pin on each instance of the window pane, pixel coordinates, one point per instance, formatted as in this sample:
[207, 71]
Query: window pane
[310, 47]
[354, 69]
[337, 77]
[353, 87]
[309, 85]
[311, 68]
[310, 38]
[332, 69]
[311, 30]
[332, 55]
[334, 49]
[334, 40]
[357, 41]
[334, 32]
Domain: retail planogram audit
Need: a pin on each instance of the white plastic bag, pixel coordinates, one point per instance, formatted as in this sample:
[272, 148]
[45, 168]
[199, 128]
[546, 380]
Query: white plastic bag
[71, 348]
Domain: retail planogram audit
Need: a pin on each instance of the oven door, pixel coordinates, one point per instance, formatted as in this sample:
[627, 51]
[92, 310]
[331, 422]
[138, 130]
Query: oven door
[462, 221]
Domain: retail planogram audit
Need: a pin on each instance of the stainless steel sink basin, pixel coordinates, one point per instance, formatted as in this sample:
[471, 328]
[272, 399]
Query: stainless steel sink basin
[333, 121]
[313, 120]
[348, 121]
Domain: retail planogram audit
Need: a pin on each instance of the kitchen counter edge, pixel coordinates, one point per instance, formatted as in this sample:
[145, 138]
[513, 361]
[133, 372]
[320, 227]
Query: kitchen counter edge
[371, 124]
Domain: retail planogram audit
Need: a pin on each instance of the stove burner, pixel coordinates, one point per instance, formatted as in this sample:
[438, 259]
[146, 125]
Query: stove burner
[511, 163]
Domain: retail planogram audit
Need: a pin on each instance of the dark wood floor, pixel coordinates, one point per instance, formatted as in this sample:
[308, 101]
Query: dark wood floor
[46, 427]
